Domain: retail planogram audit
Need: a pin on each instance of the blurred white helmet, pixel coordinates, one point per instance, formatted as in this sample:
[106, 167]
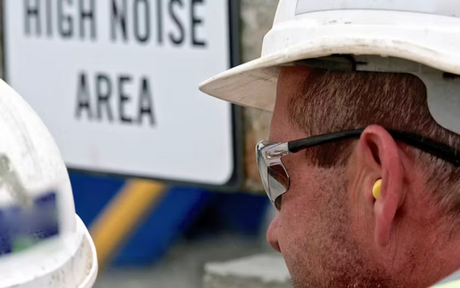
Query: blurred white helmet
[42, 241]
[421, 37]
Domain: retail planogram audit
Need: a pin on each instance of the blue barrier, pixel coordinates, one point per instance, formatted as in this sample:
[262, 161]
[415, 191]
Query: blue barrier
[182, 212]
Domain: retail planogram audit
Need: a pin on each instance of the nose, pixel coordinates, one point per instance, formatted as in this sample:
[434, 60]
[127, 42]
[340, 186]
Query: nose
[272, 234]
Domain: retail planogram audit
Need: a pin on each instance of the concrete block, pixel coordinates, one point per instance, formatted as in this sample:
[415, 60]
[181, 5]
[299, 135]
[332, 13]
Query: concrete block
[260, 271]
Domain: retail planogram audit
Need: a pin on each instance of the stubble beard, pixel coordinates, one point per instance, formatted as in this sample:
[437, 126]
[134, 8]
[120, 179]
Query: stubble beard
[330, 257]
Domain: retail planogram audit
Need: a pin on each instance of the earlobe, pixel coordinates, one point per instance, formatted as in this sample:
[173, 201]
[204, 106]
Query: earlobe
[385, 209]
[383, 168]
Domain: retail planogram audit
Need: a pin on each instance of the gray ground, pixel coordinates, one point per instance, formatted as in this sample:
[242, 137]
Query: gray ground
[183, 266]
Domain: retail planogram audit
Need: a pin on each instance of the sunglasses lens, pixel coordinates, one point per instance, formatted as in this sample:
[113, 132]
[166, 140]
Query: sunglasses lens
[263, 171]
[277, 202]
[278, 178]
[278, 181]
[274, 178]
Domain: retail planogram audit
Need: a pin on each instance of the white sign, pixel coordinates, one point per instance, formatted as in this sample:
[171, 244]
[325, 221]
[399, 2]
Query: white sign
[116, 82]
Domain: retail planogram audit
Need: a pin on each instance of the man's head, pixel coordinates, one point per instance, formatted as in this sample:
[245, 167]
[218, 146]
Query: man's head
[330, 229]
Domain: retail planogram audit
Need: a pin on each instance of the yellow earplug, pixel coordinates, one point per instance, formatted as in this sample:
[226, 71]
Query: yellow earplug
[377, 189]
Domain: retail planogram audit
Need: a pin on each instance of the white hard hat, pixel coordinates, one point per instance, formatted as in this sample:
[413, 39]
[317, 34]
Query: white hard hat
[421, 37]
[42, 241]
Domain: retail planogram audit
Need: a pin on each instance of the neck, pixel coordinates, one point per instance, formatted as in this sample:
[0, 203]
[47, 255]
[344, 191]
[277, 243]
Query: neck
[440, 259]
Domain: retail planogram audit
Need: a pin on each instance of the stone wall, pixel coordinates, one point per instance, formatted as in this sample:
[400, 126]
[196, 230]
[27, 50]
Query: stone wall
[256, 19]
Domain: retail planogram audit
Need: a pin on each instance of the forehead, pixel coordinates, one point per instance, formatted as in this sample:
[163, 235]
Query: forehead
[291, 83]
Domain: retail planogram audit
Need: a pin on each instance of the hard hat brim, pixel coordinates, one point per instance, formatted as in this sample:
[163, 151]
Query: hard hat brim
[254, 84]
[89, 251]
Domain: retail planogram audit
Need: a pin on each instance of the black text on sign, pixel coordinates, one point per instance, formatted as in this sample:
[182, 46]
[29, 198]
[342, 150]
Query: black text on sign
[177, 22]
[103, 98]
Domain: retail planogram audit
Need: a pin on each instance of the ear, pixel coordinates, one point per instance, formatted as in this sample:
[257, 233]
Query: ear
[379, 158]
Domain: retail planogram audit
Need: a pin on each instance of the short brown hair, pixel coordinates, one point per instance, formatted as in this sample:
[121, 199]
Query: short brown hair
[333, 101]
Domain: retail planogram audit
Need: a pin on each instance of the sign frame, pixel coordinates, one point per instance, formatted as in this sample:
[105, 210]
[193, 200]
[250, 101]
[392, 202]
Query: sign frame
[237, 178]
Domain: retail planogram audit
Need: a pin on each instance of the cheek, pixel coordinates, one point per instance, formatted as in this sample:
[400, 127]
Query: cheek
[302, 193]
[298, 233]
[298, 209]
[309, 211]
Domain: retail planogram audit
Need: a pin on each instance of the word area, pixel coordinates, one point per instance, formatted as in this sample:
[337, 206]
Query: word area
[101, 97]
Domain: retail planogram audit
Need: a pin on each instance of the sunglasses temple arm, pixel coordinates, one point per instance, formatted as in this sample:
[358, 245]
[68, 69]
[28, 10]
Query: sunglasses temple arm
[298, 145]
[427, 145]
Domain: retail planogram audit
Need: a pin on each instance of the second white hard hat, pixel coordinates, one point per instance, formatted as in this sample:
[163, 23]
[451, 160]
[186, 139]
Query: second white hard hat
[43, 243]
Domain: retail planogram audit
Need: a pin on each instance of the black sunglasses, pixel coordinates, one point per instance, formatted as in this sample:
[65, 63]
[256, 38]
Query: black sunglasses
[276, 179]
